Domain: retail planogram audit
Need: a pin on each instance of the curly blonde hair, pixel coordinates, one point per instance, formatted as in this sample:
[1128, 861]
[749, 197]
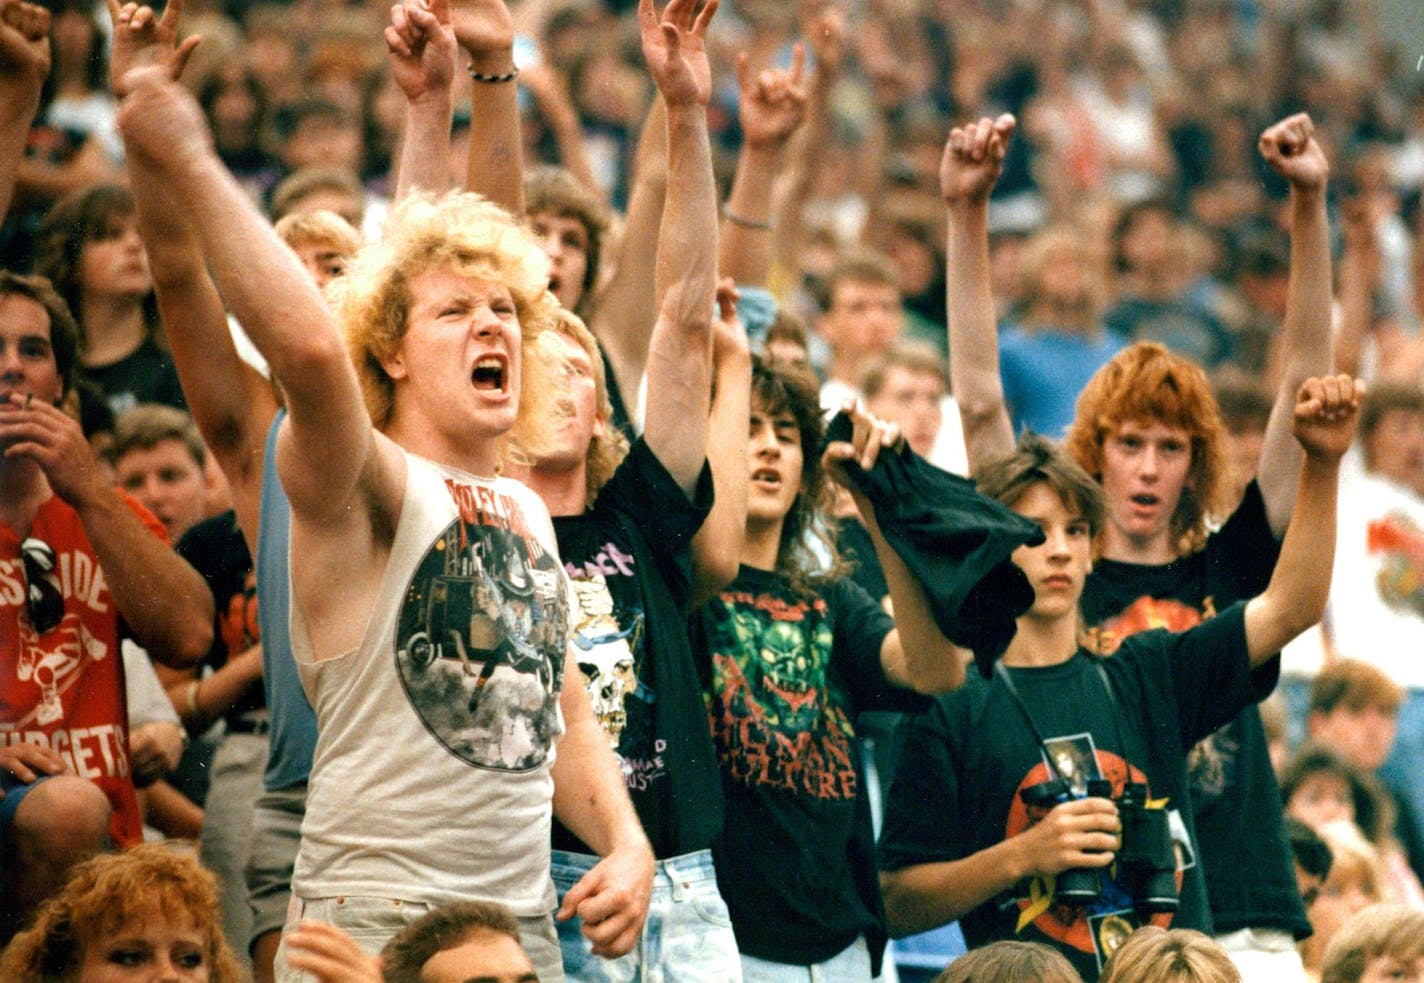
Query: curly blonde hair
[1146, 383]
[110, 893]
[458, 231]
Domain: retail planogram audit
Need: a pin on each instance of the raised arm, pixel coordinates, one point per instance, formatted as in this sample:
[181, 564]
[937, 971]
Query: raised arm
[771, 106]
[550, 90]
[1324, 424]
[916, 654]
[327, 443]
[1291, 149]
[421, 49]
[680, 351]
[496, 166]
[24, 66]
[717, 547]
[622, 315]
[824, 30]
[231, 403]
[973, 158]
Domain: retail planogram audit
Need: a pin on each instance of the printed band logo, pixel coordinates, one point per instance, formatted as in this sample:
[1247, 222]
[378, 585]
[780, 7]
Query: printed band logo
[775, 719]
[481, 639]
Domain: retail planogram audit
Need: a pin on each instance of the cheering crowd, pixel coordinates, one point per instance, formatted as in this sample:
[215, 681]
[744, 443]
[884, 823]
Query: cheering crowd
[599, 491]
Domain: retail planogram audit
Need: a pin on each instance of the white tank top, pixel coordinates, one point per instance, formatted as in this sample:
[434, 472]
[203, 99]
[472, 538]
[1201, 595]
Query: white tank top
[431, 777]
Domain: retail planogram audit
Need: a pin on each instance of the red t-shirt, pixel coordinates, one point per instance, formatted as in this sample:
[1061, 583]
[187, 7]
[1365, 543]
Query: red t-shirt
[65, 689]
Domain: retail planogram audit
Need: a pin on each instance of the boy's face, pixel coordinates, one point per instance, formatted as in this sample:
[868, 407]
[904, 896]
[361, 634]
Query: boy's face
[1145, 469]
[912, 400]
[323, 261]
[571, 432]
[863, 319]
[775, 464]
[1363, 735]
[1320, 799]
[27, 361]
[1057, 568]
[564, 240]
[457, 369]
[1394, 449]
[168, 481]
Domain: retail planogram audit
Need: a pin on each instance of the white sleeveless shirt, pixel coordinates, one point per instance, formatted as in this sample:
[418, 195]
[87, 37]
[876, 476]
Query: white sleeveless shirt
[431, 780]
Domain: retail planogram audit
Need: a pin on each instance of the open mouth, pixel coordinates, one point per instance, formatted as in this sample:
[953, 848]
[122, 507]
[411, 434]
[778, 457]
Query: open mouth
[767, 478]
[489, 374]
[554, 284]
[1146, 501]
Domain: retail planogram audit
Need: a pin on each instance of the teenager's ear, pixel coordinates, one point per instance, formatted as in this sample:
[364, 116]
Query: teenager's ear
[393, 364]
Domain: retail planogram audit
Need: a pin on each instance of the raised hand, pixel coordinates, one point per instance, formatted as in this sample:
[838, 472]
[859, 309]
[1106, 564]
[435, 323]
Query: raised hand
[160, 119]
[142, 38]
[483, 28]
[34, 429]
[973, 159]
[823, 27]
[1326, 411]
[330, 955]
[1293, 152]
[1081, 833]
[676, 50]
[772, 103]
[421, 48]
[24, 43]
[729, 335]
[869, 435]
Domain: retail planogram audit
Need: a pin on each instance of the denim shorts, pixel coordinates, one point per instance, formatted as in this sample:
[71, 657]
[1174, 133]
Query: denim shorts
[850, 965]
[688, 936]
[373, 921]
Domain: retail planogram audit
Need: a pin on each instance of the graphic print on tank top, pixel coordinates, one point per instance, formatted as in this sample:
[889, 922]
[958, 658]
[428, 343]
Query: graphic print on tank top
[482, 634]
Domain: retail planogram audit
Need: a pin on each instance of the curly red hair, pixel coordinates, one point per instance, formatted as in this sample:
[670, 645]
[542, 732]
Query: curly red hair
[109, 893]
[1146, 383]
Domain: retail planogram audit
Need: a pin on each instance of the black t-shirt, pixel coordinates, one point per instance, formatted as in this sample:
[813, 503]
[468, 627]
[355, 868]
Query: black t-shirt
[146, 376]
[631, 563]
[1250, 874]
[965, 761]
[216, 549]
[785, 678]
[858, 549]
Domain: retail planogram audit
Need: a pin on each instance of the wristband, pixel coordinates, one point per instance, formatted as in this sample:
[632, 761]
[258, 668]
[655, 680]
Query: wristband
[745, 223]
[509, 76]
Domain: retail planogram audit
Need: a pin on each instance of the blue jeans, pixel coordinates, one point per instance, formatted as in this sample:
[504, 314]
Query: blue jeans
[688, 936]
[850, 965]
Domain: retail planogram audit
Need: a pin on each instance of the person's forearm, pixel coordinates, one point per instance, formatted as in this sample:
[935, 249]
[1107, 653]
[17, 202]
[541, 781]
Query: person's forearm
[717, 547]
[230, 404]
[1305, 342]
[927, 661]
[927, 896]
[203, 700]
[425, 146]
[1300, 584]
[163, 600]
[590, 795]
[623, 313]
[745, 251]
[171, 812]
[973, 337]
[686, 265]
[496, 157]
[17, 112]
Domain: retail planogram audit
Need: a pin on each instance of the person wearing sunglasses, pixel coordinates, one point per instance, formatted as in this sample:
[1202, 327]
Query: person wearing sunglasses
[77, 558]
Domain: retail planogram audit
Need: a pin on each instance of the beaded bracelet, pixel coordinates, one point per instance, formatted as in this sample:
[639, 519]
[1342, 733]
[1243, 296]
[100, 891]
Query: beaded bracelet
[482, 77]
